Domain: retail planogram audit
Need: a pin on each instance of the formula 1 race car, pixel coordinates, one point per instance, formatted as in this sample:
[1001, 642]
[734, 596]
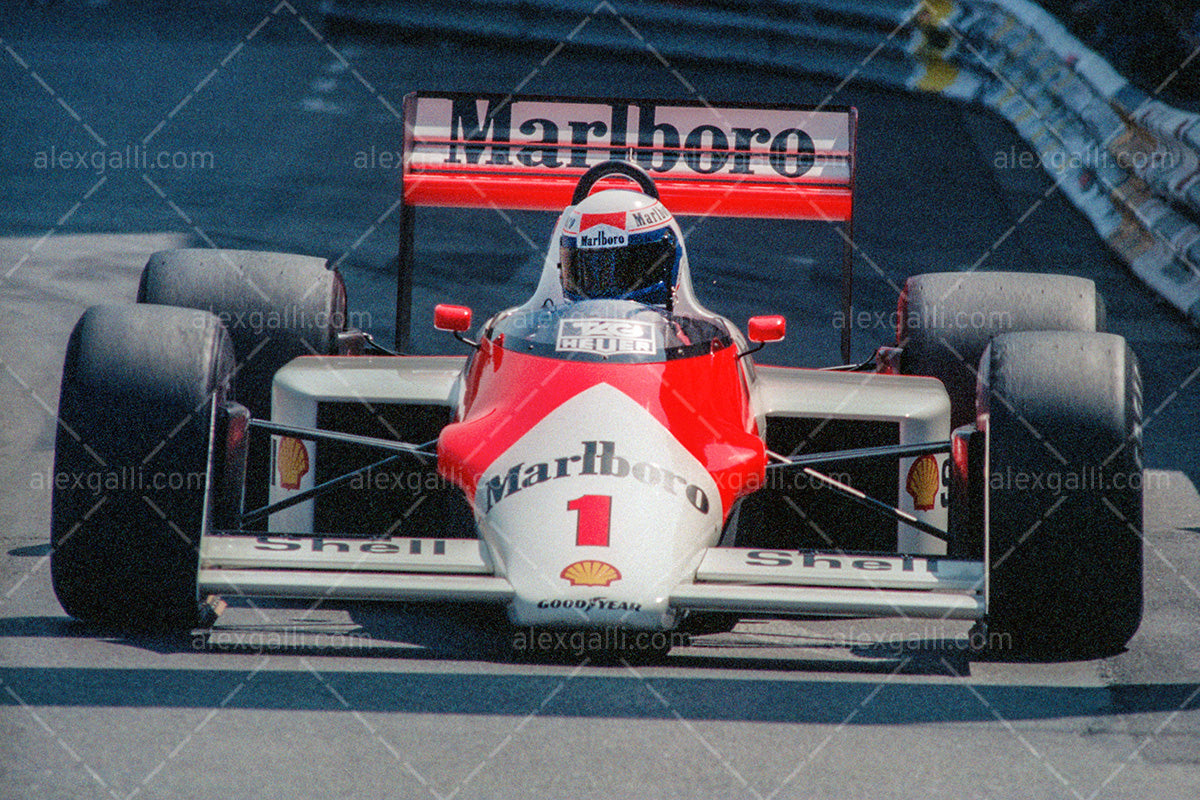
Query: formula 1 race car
[608, 454]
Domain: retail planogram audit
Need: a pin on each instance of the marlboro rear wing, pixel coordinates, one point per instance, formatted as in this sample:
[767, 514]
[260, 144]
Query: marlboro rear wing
[528, 153]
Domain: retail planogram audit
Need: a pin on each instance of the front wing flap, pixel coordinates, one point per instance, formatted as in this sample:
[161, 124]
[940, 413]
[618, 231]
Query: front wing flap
[312, 567]
[834, 584]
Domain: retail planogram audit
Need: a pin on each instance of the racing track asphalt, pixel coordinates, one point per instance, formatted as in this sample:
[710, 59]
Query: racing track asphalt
[366, 701]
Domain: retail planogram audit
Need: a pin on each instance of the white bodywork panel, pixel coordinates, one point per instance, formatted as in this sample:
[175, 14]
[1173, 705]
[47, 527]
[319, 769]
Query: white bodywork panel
[662, 508]
[920, 406]
[329, 585]
[307, 381]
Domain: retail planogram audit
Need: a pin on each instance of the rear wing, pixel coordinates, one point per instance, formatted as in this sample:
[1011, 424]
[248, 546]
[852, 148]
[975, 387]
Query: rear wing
[528, 152]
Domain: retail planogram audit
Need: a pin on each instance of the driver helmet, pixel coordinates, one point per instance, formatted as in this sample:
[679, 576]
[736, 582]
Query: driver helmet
[619, 244]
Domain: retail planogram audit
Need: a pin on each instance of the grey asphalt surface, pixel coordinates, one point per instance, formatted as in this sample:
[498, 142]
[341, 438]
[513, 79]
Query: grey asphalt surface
[365, 701]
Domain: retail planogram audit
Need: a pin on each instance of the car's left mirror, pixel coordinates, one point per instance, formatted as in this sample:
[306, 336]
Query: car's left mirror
[451, 318]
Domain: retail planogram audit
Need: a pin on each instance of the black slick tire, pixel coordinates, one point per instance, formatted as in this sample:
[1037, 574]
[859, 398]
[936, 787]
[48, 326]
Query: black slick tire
[1062, 414]
[135, 462]
[946, 319]
[276, 306]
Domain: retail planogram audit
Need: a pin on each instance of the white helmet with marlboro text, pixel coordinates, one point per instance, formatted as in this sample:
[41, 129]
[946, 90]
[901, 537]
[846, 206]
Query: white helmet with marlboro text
[619, 244]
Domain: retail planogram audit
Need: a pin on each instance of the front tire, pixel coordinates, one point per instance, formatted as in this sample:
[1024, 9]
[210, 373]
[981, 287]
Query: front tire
[1062, 415]
[135, 463]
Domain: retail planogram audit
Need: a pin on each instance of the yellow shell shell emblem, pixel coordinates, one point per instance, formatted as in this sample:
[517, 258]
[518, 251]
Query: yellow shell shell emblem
[923, 482]
[291, 462]
[590, 573]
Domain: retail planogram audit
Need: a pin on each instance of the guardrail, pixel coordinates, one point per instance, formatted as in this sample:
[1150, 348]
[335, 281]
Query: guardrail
[1128, 162]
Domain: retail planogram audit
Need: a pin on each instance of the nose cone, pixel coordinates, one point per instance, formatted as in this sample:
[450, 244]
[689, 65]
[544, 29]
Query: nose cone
[596, 514]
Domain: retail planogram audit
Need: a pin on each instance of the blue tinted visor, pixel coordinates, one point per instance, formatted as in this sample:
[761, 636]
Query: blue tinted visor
[642, 270]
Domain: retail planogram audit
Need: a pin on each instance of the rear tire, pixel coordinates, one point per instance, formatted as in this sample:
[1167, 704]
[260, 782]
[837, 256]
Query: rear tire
[275, 306]
[1062, 411]
[135, 463]
[946, 319]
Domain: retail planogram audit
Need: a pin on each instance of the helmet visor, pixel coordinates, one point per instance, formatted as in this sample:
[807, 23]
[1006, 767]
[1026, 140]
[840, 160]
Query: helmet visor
[644, 269]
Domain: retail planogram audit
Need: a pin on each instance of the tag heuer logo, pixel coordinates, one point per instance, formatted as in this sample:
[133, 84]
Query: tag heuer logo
[606, 336]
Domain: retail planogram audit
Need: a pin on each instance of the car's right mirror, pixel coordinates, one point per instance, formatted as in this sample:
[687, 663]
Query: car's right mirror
[766, 328]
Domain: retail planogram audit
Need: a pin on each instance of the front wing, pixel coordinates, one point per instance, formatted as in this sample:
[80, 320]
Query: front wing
[773, 582]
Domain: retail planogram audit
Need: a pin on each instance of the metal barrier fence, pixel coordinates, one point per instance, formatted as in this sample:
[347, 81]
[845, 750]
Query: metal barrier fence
[1127, 161]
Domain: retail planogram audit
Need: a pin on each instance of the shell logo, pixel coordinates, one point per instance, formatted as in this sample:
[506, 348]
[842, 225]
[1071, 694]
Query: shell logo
[923, 482]
[291, 462]
[590, 573]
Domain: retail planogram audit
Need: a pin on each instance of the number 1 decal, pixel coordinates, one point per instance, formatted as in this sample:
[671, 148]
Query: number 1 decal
[595, 510]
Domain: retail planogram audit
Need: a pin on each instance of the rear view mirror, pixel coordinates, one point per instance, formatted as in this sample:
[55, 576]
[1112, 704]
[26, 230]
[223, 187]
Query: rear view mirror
[451, 318]
[766, 329]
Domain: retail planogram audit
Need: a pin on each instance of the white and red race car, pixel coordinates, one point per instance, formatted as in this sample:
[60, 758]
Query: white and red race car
[604, 460]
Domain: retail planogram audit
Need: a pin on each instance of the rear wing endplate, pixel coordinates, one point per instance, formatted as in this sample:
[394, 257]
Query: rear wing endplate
[528, 152]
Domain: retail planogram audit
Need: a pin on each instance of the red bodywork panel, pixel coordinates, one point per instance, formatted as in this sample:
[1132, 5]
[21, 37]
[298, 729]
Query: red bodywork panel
[701, 400]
